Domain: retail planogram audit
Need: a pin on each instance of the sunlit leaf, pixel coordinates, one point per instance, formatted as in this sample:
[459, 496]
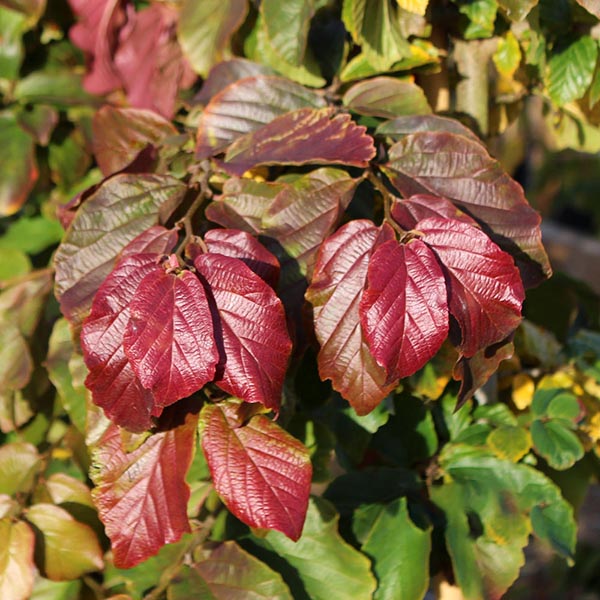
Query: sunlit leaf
[16, 363]
[517, 10]
[205, 29]
[509, 442]
[245, 106]
[416, 6]
[16, 560]
[19, 465]
[142, 495]
[120, 134]
[404, 308]
[250, 332]
[262, 473]
[18, 168]
[70, 548]
[121, 209]
[335, 291]
[592, 6]
[460, 169]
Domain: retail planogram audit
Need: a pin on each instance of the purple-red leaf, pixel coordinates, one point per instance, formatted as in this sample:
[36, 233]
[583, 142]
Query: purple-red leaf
[460, 169]
[262, 473]
[169, 337]
[156, 239]
[402, 126]
[304, 136]
[404, 309]
[485, 292]
[337, 285]
[113, 384]
[250, 330]
[245, 106]
[142, 495]
[407, 213]
[242, 245]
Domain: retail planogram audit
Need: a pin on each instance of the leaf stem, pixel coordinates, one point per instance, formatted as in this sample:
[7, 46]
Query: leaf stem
[388, 198]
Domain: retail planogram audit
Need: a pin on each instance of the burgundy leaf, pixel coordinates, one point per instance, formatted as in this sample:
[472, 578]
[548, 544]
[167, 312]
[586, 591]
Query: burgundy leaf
[169, 337]
[404, 309]
[245, 106]
[250, 330]
[242, 245]
[473, 372]
[113, 384]
[304, 136]
[337, 285]
[485, 292]
[120, 134]
[460, 169]
[407, 213]
[157, 239]
[262, 473]
[150, 62]
[402, 126]
[142, 495]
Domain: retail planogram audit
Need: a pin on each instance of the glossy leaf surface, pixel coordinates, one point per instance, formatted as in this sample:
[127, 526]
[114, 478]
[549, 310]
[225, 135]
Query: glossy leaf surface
[262, 473]
[169, 336]
[249, 330]
[335, 292]
[142, 495]
[289, 139]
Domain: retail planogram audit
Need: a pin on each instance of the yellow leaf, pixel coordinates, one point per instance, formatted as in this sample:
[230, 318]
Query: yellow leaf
[523, 390]
[414, 6]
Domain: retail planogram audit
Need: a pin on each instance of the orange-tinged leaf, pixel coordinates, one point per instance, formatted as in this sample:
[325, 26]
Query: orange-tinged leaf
[142, 495]
[262, 473]
[16, 560]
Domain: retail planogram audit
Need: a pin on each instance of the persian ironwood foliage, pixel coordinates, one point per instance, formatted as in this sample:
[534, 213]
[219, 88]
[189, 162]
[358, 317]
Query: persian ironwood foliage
[278, 258]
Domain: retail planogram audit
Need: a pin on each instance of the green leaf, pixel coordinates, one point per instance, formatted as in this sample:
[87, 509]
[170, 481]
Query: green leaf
[13, 263]
[205, 29]
[253, 579]
[555, 403]
[509, 442]
[508, 55]
[16, 560]
[66, 371]
[12, 27]
[32, 234]
[482, 16]
[557, 444]
[19, 464]
[327, 566]
[122, 208]
[286, 26]
[517, 10]
[44, 589]
[62, 89]
[65, 548]
[398, 548]
[570, 70]
[31, 8]
[495, 414]
[386, 97]
[69, 159]
[18, 168]
[39, 121]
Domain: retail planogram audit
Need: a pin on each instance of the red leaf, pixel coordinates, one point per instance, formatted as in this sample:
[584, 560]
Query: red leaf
[407, 213]
[120, 134]
[460, 169]
[337, 285]
[245, 106]
[142, 495]
[404, 309]
[242, 245]
[157, 239]
[485, 292]
[300, 137]
[262, 473]
[169, 339]
[250, 330]
[113, 384]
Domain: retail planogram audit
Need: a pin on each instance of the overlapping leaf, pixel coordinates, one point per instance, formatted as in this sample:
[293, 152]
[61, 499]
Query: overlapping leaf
[401, 126]
[290, 139]
[16, 559]
[120, 134]
[169, 338]
[245, 106]
[454, 167]
[485, 293]
[121, 209]
[335, 291]
[249, 329]
[262, 473]
[409, 212]
[404, 308]
[142, 495]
